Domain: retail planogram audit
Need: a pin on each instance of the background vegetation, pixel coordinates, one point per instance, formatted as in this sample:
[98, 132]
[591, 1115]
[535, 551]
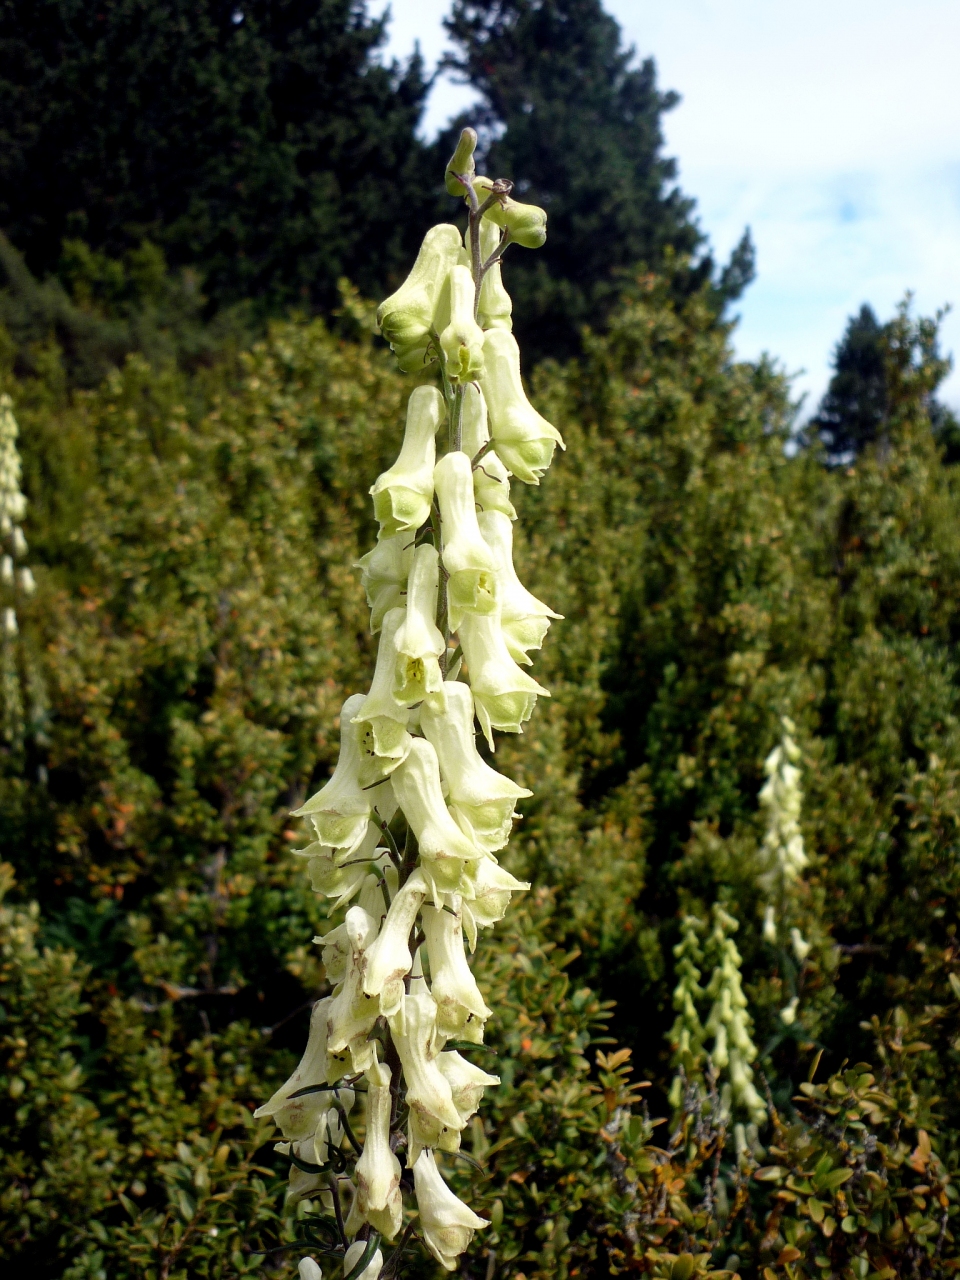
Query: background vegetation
[196, 473]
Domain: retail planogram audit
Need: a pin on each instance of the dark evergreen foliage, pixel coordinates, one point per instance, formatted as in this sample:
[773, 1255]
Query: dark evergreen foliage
[564, 109]
[197, 624]
[855, 409]
[852, 412]
[258, 141]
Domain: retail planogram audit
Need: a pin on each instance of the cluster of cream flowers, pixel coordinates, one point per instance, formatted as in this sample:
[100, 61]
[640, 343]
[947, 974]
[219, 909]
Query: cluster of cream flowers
[13, 506]
[728, 1021]
[456, 628]
[15, 580]
[782, 855]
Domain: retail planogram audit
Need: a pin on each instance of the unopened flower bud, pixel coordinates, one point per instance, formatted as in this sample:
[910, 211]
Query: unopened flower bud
[308, 1270]
[402, 495]
[461, 162]
[527, 223]
[353, 1255]
[524, 440]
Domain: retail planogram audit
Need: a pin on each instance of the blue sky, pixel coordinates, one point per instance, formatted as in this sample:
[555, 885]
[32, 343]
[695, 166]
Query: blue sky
[831, 127]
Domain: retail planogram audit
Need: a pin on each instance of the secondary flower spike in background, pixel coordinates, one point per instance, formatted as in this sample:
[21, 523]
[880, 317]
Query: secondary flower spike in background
[408, 826]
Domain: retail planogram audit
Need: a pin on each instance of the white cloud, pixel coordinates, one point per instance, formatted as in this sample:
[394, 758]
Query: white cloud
[832, 128]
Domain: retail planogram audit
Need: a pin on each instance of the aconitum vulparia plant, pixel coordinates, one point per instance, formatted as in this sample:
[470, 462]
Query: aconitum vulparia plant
[409, 826]
[15, 580]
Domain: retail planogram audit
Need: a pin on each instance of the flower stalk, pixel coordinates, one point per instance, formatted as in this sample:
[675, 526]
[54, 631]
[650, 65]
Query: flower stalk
[783, 859]
[16, 584]
[454, 621]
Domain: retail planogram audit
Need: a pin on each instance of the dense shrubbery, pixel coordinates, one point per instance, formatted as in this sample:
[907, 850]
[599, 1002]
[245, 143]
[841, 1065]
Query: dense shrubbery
[197, 623]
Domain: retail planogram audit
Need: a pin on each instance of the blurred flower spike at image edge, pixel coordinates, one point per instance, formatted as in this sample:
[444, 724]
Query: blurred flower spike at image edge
[16, 584]
[406, 832]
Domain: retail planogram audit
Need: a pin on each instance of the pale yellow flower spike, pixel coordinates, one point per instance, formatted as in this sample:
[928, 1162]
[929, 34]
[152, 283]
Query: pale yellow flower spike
[454, 621]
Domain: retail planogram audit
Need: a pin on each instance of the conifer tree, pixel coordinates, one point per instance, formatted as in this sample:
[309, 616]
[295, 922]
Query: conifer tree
[258, 140]
[855, 407]
[565, 109]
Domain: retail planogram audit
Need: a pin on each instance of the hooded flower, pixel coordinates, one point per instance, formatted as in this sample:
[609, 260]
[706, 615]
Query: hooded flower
[524, 619]
[466, 1081]
[340, 811]
[491, 480]
[452, 984]
[801, 948]
[382, 719]
[471, 587]
[444, 849]
[312, 1070]
[496, 307]
[308, 1270]
[383, 575]
[461, 338]
[486, 896]
[388, 959]
[344, 881]
[415, 1034]
[337, 948]
[378, 1169]
[504, 695]
[406, 317]
[524, 440]
[351, 1013]
[480, 799]
[383, 807]
[315, 1128]
[402, 495]
[448, 1225]
[419, 643]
